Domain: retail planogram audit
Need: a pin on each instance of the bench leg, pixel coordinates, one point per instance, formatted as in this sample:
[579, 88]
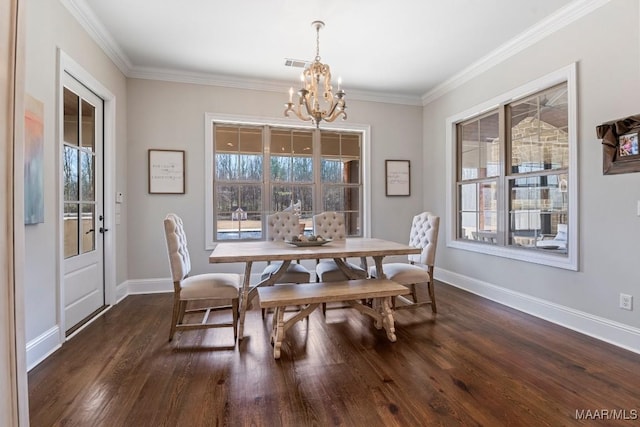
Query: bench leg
[280, 325]
[386, 313]
[274, 323]
[278, 331]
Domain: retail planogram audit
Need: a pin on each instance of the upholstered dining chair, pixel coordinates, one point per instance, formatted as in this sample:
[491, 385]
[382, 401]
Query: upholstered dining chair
[331, 225]
[283, 226]
[424, 235]
[221, 289]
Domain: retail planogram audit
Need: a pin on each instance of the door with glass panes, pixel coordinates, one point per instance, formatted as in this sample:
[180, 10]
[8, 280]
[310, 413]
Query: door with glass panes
[82, 204]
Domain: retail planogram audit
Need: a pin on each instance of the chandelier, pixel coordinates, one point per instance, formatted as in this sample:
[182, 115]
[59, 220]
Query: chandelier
[316, 100]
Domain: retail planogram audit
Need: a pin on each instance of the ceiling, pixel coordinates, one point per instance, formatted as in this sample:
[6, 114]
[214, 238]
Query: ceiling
[400, 51]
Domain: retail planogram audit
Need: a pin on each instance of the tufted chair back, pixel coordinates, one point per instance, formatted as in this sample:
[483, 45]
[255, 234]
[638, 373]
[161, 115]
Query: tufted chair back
[177, 248]
[329, 225]
[282, 226]
[424, 234]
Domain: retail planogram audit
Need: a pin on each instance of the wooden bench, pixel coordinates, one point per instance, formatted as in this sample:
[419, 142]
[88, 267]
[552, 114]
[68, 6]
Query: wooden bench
[311, 295]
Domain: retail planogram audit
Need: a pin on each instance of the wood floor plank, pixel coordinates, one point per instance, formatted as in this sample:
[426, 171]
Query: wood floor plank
[474, 363]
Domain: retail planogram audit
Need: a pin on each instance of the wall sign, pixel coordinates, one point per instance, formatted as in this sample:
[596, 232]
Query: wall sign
[398, 177]
[166, 171]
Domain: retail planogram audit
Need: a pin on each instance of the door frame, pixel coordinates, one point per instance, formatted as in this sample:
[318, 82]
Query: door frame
[70, 66]
[14, 407]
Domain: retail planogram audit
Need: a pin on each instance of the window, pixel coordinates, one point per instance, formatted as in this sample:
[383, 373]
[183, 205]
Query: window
[341, 178]
[238, 181]
[513, 173]
[258, 169]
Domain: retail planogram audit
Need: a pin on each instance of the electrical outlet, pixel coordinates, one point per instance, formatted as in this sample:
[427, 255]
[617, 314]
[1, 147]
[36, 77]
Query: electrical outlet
[626, 302]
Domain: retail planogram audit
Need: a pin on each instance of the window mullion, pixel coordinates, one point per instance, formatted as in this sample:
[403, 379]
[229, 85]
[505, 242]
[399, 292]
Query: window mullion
[318, 186]
[266, 173]
[505, 165]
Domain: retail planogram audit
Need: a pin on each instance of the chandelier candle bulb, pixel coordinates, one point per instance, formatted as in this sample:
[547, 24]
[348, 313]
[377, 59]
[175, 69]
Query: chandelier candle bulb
[290, 95]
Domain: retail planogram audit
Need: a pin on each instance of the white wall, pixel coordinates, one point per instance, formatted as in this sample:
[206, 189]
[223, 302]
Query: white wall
[171, 115]
[49, 27]
[606, 46]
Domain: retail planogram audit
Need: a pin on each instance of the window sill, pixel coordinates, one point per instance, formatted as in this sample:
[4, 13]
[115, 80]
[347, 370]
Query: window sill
[550, 258]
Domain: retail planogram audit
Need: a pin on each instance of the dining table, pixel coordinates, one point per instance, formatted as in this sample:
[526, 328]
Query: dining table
[250, 252]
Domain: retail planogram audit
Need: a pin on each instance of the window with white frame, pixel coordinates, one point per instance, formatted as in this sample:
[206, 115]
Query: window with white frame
[261, 169]
[514, 173]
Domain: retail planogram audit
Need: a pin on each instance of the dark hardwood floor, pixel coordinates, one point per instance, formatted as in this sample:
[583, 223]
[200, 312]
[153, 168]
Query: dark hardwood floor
[475, 363]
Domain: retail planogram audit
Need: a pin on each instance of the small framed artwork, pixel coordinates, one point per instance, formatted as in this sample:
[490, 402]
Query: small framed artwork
[398, 177]
[166, 171]
[628, 145]
[620, 151]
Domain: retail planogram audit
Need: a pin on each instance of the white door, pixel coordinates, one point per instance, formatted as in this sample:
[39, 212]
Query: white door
[82, 203]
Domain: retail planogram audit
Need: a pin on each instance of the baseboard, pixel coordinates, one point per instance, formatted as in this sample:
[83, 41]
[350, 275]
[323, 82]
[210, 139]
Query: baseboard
[149, 286]
[42, 347]
[155, 286]
[122, 290]
[606, 330]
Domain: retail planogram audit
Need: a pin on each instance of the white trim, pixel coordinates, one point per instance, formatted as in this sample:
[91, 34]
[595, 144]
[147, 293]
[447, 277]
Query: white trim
[162, 285]
[180, 76]
[149, 286]
[560, 19]
[209, 118]
[73, 68]
[94, 28]
[570, 262]
[606, 330]
[46, 344]
[122, 290]
[42, 347]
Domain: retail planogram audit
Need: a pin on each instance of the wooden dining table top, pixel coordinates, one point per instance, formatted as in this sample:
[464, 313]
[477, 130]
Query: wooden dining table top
[353, 247]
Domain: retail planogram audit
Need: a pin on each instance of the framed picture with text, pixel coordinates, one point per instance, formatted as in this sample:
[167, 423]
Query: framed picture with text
[398, 177]
[166, 171]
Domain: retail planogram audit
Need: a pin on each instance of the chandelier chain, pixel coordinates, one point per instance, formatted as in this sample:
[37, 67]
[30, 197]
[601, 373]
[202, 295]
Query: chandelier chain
[318, 43]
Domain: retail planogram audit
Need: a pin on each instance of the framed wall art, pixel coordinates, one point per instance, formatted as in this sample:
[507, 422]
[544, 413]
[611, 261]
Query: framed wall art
[620, 151]
[628, 145]
[398, 177]
[166, 171]
[33, 161]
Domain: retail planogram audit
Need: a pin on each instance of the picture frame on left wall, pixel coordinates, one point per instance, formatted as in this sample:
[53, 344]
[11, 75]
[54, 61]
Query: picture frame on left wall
[166, 171]
[33, 161]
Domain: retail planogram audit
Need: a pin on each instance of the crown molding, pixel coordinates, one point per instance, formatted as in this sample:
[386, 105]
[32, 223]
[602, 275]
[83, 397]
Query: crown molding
[179, 76]
[563, 17]
[92, 25]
